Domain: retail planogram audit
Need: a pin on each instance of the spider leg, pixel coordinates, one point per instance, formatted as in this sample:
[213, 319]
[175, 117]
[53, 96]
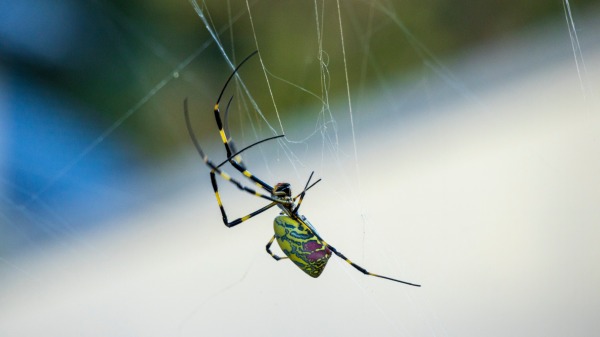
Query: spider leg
[363, 270]
[237, 165]
[301, 195]
[228, 147]
[241, 219]
[238, 157]
[216, 109]
[277, 258]
[246, 148]
[243, 188]
[216, 170]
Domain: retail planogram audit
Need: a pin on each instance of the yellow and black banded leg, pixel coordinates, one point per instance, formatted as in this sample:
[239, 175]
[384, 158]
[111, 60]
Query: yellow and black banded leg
[216, 170]
[241, 168]
[363, 270]
[237, 165]
[233, 148]
[277, 258]
[223, 128]
[222, 174]
[301, 195]
[241, 187]
[238, 153]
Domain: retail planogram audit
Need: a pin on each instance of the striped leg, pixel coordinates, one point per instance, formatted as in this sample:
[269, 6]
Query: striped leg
[225, 176]
[363, 270]
[301, 195]
[277, 258]
[216, 109]
[241, 187]
[237, 165]
[216, 170]
[238, 157]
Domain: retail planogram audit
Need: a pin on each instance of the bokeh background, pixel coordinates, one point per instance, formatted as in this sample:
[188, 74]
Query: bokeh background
[457, 142]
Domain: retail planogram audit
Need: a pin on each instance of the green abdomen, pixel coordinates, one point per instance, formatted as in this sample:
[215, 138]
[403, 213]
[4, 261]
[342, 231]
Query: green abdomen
[301, 245]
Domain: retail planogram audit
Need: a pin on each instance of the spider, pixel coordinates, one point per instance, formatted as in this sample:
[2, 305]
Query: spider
[295, 235]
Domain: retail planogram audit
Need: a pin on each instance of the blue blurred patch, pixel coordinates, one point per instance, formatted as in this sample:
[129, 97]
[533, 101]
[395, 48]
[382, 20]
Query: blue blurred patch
[48, 188]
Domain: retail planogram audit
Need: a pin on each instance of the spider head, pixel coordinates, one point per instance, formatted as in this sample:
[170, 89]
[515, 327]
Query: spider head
[282, 190]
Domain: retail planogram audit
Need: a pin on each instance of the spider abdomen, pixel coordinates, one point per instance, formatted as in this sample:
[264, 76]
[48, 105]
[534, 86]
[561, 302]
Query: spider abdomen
[298, 241]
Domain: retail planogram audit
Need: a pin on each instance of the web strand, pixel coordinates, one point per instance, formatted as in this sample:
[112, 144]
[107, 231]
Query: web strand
[577, 54]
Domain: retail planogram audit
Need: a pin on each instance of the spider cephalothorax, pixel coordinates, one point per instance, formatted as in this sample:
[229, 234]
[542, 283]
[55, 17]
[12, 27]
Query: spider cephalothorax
[282, 190]
[295, 235]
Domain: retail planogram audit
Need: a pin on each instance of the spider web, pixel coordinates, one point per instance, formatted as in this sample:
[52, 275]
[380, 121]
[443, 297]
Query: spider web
[333, 137]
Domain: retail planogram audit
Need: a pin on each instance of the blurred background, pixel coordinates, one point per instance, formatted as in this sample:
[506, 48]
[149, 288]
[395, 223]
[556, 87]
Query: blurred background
[457, 143]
